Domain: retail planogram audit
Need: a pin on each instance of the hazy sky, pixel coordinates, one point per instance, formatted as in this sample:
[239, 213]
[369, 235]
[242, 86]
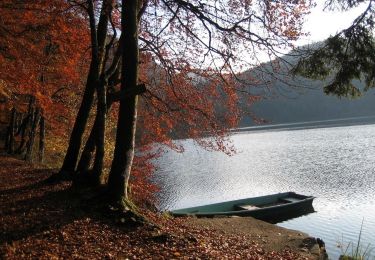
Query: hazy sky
[322, 24]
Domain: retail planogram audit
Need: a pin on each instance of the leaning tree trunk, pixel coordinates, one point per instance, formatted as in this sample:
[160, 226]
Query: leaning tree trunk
[98, 41]
[87, 153]
[126, 125]
[75, 141]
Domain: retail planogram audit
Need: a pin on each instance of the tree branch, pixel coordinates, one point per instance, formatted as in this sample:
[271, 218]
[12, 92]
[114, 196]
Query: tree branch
[121, 95]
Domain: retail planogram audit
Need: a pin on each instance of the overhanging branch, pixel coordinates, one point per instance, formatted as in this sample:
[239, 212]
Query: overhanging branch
[121, 95]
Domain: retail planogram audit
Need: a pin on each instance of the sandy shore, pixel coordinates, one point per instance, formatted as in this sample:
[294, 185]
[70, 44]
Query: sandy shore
[270, 236]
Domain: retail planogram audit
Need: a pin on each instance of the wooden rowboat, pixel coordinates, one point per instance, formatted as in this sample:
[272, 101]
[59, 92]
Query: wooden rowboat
[274, 208]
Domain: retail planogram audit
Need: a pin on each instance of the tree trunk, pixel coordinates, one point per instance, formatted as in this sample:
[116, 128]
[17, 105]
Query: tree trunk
[98, 41]
[88, 151]
[26, 123]
[126, 125]
[75, 141]
[19, 119]
[42, 134]
[100, 131]
[32, 133]
[11, 129]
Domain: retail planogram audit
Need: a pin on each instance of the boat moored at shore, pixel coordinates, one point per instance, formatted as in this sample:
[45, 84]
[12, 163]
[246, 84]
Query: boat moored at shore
[268, 208]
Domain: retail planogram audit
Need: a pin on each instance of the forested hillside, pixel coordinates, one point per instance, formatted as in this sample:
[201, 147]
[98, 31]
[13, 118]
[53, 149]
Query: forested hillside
[302, 101]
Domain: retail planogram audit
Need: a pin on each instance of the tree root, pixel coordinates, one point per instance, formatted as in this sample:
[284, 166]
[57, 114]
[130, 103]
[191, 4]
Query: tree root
[126, 212]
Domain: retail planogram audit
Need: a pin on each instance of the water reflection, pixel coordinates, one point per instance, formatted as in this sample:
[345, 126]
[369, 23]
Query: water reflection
[336, 165]
[291, 215]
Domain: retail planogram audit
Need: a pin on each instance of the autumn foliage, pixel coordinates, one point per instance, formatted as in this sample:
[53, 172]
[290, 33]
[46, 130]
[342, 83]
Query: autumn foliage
[190, 54]
[43, 47]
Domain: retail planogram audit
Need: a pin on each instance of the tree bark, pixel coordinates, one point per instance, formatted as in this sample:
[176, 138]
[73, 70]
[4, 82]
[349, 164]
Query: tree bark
[123, 94]
[100, 131]
[22, 131]
[101, 90]
[42, 134]
[11, 129]
[19, 119]
[32, 133]
[126, 125]
[88, 151]
[98, 40]
[26, 123]
[75, 141]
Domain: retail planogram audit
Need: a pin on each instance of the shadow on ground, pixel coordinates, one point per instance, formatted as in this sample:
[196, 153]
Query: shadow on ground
[33, 210]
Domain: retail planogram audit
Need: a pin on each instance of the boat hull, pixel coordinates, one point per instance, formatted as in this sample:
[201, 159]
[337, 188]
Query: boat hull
[266, 207]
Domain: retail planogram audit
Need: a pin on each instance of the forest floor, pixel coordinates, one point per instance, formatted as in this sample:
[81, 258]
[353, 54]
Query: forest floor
[50, 221]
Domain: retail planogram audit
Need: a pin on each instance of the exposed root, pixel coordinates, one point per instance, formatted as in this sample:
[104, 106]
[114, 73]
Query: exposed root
[126, 212]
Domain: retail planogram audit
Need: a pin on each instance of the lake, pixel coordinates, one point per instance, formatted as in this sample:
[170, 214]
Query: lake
[336, 165]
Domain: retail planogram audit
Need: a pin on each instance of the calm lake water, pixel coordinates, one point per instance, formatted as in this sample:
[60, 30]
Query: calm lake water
[336, 165]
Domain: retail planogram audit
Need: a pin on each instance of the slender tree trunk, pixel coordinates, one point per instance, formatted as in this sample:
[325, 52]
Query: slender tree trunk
[101, 92]
[126, 125]
[42, 134]
[75, 141]
[11, 131]
[100, 131]
[30, 143]
[19, 119]
[26, 123]
[88, 151]
[98, 41]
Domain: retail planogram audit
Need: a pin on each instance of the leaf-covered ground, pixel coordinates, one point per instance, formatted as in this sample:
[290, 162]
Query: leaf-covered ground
[49, 221]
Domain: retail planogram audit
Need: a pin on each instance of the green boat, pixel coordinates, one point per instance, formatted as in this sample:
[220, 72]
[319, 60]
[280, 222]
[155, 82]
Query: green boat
[273, 208]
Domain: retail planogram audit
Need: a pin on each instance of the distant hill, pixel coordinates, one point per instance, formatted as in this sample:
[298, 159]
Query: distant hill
[286, 104]
[311, 106]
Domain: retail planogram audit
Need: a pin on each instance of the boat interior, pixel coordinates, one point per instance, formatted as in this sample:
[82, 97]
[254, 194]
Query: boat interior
[279, 201]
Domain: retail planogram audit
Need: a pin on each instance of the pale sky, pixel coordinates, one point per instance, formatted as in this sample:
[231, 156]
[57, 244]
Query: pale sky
[321, 24]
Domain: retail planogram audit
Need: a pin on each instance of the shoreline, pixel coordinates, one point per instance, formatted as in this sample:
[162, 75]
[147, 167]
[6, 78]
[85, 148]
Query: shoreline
[49, 221]
[270, 236]
[294, 126]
